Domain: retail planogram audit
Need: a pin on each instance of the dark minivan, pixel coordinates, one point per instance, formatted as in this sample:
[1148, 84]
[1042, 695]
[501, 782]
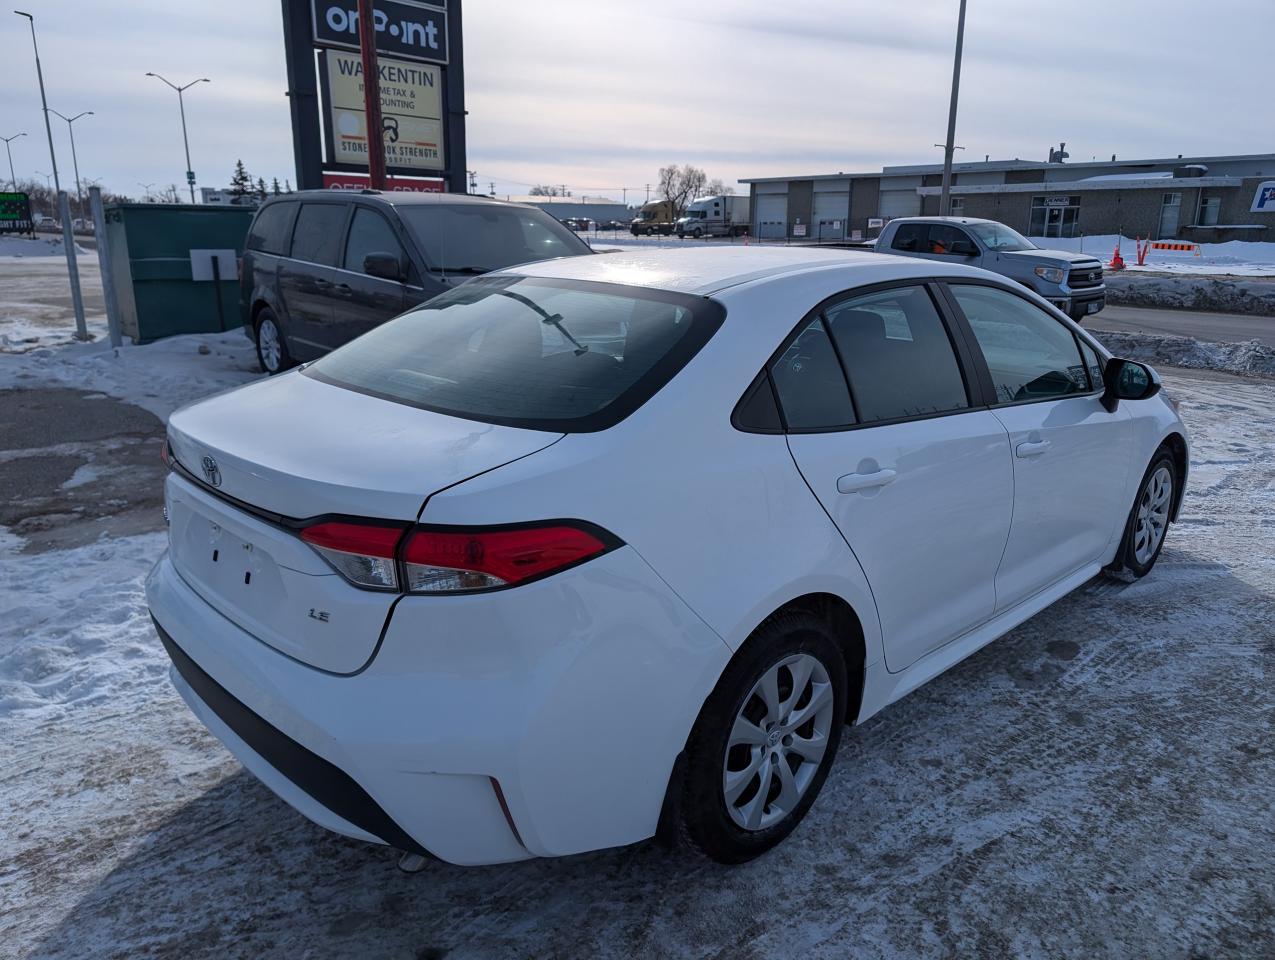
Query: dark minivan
[321, 267]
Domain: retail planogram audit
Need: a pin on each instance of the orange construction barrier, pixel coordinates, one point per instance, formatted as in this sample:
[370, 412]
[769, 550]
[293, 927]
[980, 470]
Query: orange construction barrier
[1117, 261]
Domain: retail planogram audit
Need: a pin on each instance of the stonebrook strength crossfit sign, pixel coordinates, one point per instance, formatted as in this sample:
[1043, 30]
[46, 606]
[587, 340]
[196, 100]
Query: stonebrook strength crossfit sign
[411, 112]
[420, 71]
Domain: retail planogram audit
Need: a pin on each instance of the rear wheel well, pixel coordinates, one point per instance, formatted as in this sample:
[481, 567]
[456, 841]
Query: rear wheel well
[256, 312]
[848, 629]
[1175, 443]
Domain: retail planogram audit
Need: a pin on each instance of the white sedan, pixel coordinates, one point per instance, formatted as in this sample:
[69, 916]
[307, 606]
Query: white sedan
[601, 547]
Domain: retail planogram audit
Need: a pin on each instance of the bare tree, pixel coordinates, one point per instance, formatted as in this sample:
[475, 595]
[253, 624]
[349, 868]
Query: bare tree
[717, 187]
[544, 190]
[681, 185]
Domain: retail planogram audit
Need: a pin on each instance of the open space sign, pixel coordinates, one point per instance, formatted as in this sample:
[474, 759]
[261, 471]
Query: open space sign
[404, 28]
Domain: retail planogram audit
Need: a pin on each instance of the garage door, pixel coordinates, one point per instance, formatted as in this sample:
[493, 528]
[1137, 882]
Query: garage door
[900, 203]
[772, 215]
[831, 210]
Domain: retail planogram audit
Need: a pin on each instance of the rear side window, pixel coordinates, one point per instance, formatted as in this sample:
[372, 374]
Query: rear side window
[1030, 354]
[371, 233]
[810, 384]
[909, 236]
[897, 354]
[272, 228]
[317, 236]
[543, 354]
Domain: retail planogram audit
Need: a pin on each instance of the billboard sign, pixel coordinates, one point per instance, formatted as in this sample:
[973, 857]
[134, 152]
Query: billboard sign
[15, 213]
[360, 181]
[1264, 199]
[404, 28]
[411, 113]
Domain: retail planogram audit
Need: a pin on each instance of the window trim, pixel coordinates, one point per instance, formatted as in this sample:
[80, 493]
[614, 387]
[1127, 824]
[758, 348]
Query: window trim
[974, 389]
[980, 361]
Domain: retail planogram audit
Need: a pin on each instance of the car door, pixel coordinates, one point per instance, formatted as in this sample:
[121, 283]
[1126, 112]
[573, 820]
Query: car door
[1070, 454]
[916, 477]
[943, 240]
[306, 279]
[909, 240]
[361, 301]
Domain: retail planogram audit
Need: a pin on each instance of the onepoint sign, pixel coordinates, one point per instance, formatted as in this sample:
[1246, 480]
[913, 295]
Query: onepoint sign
[404, 28]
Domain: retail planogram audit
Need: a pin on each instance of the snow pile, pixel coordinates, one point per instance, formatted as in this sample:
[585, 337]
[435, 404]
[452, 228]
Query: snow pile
[39, 247]
[1185, 292]
[159, 376]
[76, 629]
[1251, 358]
[1237, 258]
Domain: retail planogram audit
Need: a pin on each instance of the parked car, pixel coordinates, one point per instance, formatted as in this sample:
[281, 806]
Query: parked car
[322, 267]
[579, 224]
[1072, 282]
[414, 587]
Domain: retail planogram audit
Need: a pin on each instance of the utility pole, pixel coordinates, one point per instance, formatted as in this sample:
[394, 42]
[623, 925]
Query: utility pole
[68, 240]
[945, 196]
[372, 98]
[491, 188]
[13, 181]
[79, 194]
[648, 193]
[181, 103]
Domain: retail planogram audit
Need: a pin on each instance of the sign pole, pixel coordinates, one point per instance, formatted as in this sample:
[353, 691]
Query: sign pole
[104, 263]
[372, 98]
[946, 193]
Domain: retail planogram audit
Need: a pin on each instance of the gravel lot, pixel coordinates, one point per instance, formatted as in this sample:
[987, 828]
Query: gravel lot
[1098, 783]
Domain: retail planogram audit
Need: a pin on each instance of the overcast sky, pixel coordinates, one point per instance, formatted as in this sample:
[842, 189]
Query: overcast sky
[598, 94]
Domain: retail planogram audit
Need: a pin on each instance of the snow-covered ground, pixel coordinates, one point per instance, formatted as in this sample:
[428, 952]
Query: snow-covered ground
[1099, 783]
[36, 247]
[1236, 258]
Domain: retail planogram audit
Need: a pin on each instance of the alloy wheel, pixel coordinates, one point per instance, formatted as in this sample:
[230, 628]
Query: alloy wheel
[1153, 514]
[268, 343]
[777, 741]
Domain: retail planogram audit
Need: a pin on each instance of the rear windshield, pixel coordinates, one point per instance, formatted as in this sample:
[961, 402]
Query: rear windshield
[544, 354]
[476, 238]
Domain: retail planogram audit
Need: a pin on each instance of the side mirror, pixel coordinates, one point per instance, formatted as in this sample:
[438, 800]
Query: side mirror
[963, 248]
[1127, 380]
[383, 265]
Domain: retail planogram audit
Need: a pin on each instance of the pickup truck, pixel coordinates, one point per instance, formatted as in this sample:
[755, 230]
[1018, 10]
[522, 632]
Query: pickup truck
[1070, 281]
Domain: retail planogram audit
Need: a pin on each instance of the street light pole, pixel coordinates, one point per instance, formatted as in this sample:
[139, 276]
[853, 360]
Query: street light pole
[945, 198]
[181, 104]
[13, 181]
[75, 163]
[68, 240]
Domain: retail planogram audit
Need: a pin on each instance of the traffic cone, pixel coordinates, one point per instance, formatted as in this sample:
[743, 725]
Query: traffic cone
[1117, 261]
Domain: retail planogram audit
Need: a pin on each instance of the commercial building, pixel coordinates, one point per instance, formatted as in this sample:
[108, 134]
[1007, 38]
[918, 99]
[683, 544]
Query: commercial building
[597, 209]
[1202, 199]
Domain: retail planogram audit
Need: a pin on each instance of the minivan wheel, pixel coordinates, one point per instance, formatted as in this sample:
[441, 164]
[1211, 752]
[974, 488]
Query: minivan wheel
[272, 349]
[1149, 519]
[765, 739]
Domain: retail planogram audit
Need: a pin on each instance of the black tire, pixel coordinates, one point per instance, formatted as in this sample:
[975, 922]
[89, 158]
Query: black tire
[266, 318]
[706, 821]
[697, 233]
[1126, 562]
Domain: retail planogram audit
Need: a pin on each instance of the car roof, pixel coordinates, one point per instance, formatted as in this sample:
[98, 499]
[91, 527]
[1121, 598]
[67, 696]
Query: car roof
[942, 220]
[398, 198]
[704, 270]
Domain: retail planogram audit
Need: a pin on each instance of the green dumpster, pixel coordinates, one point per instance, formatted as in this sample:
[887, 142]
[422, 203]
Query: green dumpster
[175, 266]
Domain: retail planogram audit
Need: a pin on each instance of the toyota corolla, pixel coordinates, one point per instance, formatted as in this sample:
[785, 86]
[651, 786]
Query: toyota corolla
[599, 548]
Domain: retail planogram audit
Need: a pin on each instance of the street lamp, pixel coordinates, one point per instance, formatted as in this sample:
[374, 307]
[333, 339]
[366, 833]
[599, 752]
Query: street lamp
[48, 179]
[146, 197]
[79, 194]
[13, 181]
[68, 241]
[181, 103]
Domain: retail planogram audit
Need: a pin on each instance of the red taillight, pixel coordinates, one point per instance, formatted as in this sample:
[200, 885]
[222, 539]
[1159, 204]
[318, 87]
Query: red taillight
[443, 561]
[363, 553]
[454, 559]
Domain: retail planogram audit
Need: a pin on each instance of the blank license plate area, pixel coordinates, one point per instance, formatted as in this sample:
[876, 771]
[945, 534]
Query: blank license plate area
[1094, 307]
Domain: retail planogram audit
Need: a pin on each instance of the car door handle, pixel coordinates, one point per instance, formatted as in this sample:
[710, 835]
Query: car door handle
[1031, 448]
[857, 482]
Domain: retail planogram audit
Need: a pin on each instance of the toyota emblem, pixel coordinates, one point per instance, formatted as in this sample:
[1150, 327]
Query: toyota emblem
[212, 473]
[1093, 275]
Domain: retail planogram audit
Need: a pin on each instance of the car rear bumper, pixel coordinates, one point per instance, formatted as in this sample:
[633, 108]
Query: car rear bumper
[538, 721]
